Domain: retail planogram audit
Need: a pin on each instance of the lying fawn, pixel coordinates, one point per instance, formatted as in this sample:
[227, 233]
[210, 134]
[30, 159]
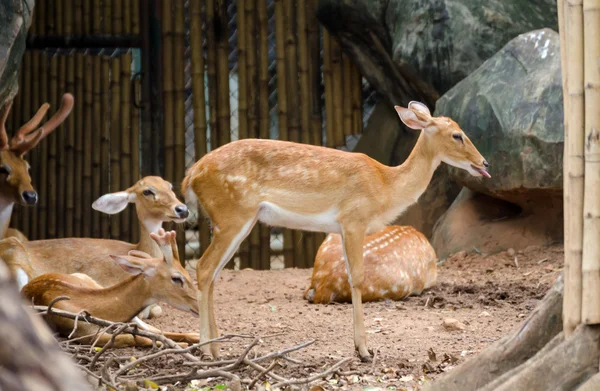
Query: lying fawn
[315, 188]
[151, 279]
[398, 261]
[15, 181]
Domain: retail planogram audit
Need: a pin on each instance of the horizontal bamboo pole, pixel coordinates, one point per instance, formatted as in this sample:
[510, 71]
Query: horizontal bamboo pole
[591, 223]
[575, 152]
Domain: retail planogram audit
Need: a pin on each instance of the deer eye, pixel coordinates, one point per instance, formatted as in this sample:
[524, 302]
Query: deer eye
[177, 280]
[147, 192]
[4, 170]
[457, 136]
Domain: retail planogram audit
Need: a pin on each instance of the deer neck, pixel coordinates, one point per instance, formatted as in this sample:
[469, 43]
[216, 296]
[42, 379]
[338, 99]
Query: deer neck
[122, 301]
[147, 244]
[6, 208]
[412, 177]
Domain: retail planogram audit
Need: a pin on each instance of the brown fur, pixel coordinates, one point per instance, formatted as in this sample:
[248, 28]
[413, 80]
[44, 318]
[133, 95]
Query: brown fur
[399, 261]
[315, 188]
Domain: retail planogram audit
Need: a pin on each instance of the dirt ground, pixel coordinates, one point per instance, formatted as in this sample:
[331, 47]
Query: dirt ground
[489, 295]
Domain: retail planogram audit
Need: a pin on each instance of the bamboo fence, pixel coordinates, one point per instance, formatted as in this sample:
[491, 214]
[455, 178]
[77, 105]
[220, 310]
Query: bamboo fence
[579, 25]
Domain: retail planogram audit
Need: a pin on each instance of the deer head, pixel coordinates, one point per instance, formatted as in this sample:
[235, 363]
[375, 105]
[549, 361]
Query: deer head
[167, 279]
[15, 182]
[449, 141]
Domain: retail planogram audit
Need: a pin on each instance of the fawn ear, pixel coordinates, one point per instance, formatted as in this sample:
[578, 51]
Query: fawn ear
[134, 265]
[420, 107]
[414, 119]
[113, 202]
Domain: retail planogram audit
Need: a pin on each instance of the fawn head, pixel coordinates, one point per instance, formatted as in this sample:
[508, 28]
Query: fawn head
[15, 181]
[153, 197]
[167, 279]
[450, 142]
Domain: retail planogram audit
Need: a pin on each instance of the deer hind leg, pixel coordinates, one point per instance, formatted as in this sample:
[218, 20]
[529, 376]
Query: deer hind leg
[353, 238]
[225, 242]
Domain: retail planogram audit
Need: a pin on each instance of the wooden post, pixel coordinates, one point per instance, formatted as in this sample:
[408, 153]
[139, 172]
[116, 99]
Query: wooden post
[167, 39]
[282, 105]
[328, 78]
[179, 114]
[347, 89]
[70, 152]
[78, 150]
[115, 140]
[52, 153]
[88, 145]
[125, 142]
[574, 179]
[591, 223]
[303, 65]
[338, 94]
[263, 114]
[314, 39]
[211, 62]
[223, 107]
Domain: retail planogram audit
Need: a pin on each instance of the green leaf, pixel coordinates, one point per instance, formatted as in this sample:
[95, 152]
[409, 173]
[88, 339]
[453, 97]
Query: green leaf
[150, 384]
[220, 386]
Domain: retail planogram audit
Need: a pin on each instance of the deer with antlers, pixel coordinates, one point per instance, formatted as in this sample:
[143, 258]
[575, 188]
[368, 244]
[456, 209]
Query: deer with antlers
[315, 188]
[398, 261]
[150, 280]
[15, 182]
[155, 203]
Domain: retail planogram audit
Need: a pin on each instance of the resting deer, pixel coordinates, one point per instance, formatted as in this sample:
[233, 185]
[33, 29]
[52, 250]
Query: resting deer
[151, 279]
[15, 182]
[315, 188]
[398, 261]
[155, 202]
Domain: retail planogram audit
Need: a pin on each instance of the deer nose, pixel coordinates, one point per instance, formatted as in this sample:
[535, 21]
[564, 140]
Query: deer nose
[182, 211]
[486, 164]
[30, 197]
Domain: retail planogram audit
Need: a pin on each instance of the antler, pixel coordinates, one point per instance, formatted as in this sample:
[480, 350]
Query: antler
[27, 137]
[3, 117]
[168, 244]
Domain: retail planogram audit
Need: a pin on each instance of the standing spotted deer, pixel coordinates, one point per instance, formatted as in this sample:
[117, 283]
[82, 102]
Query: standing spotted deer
[319, 189]
[15, 182]
[398, 261]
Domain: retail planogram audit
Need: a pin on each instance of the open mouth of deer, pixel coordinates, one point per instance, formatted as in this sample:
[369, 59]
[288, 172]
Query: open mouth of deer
[481, 170]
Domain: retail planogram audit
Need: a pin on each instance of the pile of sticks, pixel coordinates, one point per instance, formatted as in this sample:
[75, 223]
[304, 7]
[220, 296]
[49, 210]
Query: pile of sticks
[106, 367]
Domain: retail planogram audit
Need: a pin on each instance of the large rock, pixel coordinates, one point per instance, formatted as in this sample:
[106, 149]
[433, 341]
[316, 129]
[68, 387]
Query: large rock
[418, 49]
[511, 108]
[15, 19]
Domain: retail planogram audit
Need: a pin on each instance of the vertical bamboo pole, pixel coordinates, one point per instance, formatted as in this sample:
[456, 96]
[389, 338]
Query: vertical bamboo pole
[70, 157]
[105, 163]
[179, 96]
[303, 65]
[338, 94]
[19, 119]
[347, 89]
[168, 92]
[96, 17]
[252, 79]
[43, 153]
[77, 16]
[61, 163]
[135, 17]
[135, 128]
[243, 88]
[575, 151]
[223, 107]
[211, 62]
[263, 114]
[78, 147]
[107, 16]
[40, 18]
[357, 114]
[35, 172]
[88, 146]
[52, 152]
[591, 223]
[115, 140]
[125, 134]
[198, 90]
[95, 133]
[282, 104]
[86, 26]
[50, 17]
[328, 79]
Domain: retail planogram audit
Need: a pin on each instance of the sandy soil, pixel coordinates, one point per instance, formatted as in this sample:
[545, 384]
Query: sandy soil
[489, 295]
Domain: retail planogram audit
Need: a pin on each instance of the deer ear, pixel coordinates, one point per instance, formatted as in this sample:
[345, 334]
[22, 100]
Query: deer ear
[134, 265]
[420, 107]
[114, 202]
[411, 119]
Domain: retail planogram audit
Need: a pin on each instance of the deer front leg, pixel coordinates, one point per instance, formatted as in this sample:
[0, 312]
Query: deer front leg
[353, 238]
[225, 242]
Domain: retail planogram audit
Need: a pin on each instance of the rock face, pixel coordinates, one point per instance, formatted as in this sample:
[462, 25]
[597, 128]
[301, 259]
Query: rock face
[511, 108]
[418, 49]
[15, 19]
